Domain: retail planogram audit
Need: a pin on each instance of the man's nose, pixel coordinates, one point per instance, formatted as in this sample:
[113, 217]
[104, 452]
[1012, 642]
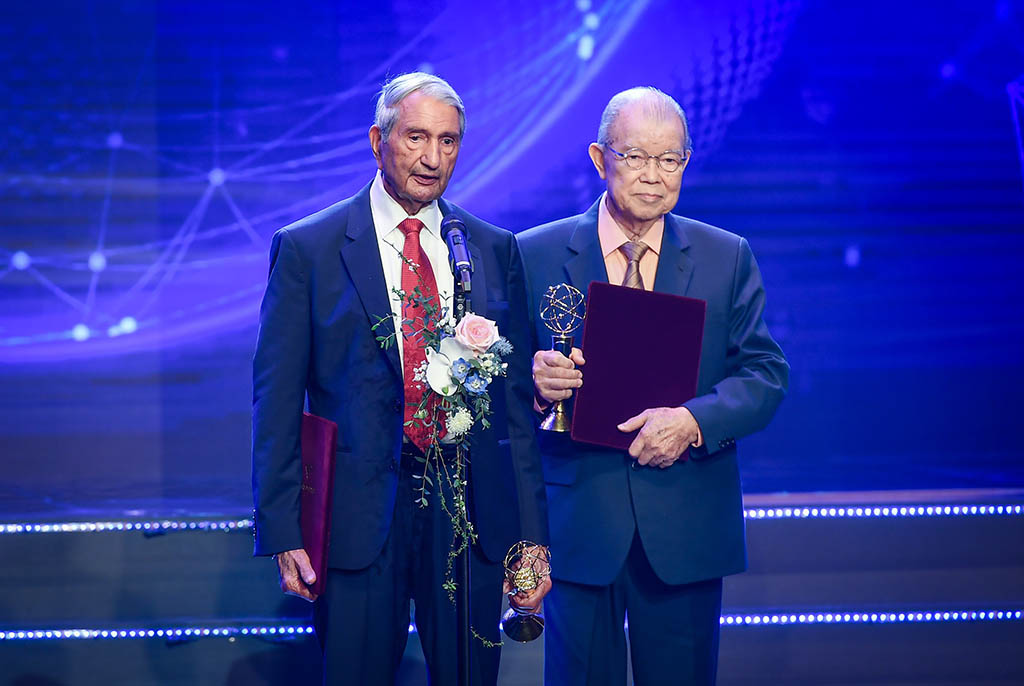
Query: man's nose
[431, 157]
[650, 172]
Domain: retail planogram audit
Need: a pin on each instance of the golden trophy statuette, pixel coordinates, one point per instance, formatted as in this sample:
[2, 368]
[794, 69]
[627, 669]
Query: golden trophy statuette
[526, 565]
[562, 310]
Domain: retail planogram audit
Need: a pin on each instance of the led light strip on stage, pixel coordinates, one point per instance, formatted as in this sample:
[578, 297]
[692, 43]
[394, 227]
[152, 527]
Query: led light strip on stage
[297, 630]
[880, 511]
[154, 526]
[872, 617]
[847, 512]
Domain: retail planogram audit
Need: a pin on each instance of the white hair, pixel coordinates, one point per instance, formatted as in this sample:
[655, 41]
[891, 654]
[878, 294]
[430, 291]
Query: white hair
[399, 88]
[656, 103]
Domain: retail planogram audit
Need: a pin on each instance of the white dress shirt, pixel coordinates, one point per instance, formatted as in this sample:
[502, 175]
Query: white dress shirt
[387, 215]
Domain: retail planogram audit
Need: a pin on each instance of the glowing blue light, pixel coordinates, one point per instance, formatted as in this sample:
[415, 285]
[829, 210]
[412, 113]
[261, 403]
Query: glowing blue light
[216, 176]
[20, 260]
[852, 256]
[583, 5]
[948, 70]
[591, 21]
[97, 261]
[80, 332]
[129, 325]
[115, 140]
[585, 48]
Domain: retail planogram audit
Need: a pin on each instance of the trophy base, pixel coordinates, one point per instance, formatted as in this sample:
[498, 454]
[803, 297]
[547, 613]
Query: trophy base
[522, 627]
[557, 419]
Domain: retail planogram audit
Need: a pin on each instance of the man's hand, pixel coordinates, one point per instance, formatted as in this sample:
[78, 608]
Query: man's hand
[665, 432]
[296, 573]
[530, 602]
[555, 376]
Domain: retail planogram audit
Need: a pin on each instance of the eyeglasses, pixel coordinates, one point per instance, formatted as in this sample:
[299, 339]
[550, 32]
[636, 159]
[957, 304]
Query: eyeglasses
[636, 158]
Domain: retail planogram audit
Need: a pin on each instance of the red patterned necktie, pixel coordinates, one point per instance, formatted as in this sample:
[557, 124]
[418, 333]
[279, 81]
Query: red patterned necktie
[414, 353]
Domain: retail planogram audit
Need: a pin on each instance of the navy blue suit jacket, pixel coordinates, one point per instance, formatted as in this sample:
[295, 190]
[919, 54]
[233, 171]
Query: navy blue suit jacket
[326, 289]
[689, 516]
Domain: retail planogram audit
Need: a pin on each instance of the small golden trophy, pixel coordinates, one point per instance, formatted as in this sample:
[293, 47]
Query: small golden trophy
[562, 310]
[526, 565]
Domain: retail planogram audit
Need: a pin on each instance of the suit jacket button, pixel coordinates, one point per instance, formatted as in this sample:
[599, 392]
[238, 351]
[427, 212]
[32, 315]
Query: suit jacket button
[391, 466]
[634, 465]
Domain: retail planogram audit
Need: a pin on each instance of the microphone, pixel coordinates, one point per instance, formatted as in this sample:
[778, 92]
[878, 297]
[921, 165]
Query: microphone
[454, 232]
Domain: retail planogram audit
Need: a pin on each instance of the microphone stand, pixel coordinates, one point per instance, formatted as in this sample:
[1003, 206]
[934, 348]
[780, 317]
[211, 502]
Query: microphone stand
[463, 634]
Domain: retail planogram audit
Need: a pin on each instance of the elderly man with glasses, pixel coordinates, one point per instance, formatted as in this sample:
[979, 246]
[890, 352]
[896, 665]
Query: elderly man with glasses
[648, 534]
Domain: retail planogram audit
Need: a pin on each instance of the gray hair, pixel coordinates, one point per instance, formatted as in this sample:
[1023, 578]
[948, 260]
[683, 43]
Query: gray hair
[399, 88]
[656, 103]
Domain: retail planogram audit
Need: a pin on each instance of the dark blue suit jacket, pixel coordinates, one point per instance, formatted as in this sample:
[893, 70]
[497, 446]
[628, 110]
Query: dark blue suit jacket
[689, 516]
[326, 289]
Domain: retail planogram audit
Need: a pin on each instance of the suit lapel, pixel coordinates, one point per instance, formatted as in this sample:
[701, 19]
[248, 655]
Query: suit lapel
[586, 263]
[361, 257]
[674, 266]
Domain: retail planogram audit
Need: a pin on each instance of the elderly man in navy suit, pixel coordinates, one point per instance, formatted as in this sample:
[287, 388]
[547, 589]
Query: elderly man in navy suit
[645, 534]
[331, 279]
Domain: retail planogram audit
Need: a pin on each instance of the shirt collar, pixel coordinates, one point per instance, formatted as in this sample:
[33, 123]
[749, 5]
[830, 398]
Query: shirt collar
[388, 214]
[612, 236]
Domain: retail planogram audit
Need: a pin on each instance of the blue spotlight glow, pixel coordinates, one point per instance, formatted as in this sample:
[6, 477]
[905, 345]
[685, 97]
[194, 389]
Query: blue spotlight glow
[97, 262]
[20, 260]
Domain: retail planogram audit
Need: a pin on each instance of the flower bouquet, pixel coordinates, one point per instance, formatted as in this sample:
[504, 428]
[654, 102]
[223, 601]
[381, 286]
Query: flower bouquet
[461, 362]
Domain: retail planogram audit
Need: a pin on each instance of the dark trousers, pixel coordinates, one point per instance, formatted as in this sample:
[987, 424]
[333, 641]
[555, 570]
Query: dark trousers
[673, 629]
[362, 618]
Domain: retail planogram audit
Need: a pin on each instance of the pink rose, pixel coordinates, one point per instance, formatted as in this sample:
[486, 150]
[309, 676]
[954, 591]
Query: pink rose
[476, 333]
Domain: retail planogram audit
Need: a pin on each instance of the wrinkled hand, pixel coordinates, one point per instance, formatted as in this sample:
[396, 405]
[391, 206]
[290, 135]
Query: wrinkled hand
[555, 376]
[530, 601]
[296, 573]
[665, 432]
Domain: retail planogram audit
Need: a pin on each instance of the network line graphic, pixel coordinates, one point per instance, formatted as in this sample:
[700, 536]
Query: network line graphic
[137, 222]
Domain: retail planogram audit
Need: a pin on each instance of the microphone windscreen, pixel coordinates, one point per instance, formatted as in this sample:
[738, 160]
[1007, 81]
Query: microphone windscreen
[450, 223]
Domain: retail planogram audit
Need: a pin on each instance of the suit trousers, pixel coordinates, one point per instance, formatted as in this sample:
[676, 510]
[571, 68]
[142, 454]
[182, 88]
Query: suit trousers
[362, 618]
[673, 629]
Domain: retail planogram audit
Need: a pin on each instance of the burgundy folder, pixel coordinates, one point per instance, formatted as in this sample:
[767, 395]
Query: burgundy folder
[642, 350]
[319, 441]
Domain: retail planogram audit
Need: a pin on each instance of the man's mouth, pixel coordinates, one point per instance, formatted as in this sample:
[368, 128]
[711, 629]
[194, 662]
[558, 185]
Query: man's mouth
[425, 179]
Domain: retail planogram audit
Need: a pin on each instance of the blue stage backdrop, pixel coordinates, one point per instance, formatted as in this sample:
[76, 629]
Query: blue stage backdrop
[869, 151]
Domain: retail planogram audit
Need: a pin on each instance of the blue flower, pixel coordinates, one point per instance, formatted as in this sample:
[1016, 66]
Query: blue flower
[475, 384]
[459, 369]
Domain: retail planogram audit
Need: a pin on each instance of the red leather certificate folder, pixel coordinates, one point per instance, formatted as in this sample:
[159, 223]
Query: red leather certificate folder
[642, 350]
[319, 441]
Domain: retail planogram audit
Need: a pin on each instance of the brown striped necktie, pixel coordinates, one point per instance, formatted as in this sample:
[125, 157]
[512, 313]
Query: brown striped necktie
[634, 252]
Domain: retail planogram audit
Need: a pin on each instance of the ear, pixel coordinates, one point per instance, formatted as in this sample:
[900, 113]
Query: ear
[685, 162]
[376, 142]
[596, 153]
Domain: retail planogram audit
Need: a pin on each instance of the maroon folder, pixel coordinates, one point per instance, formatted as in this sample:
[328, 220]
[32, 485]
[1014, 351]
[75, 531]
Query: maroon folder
[319, 441]
[642, 350]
